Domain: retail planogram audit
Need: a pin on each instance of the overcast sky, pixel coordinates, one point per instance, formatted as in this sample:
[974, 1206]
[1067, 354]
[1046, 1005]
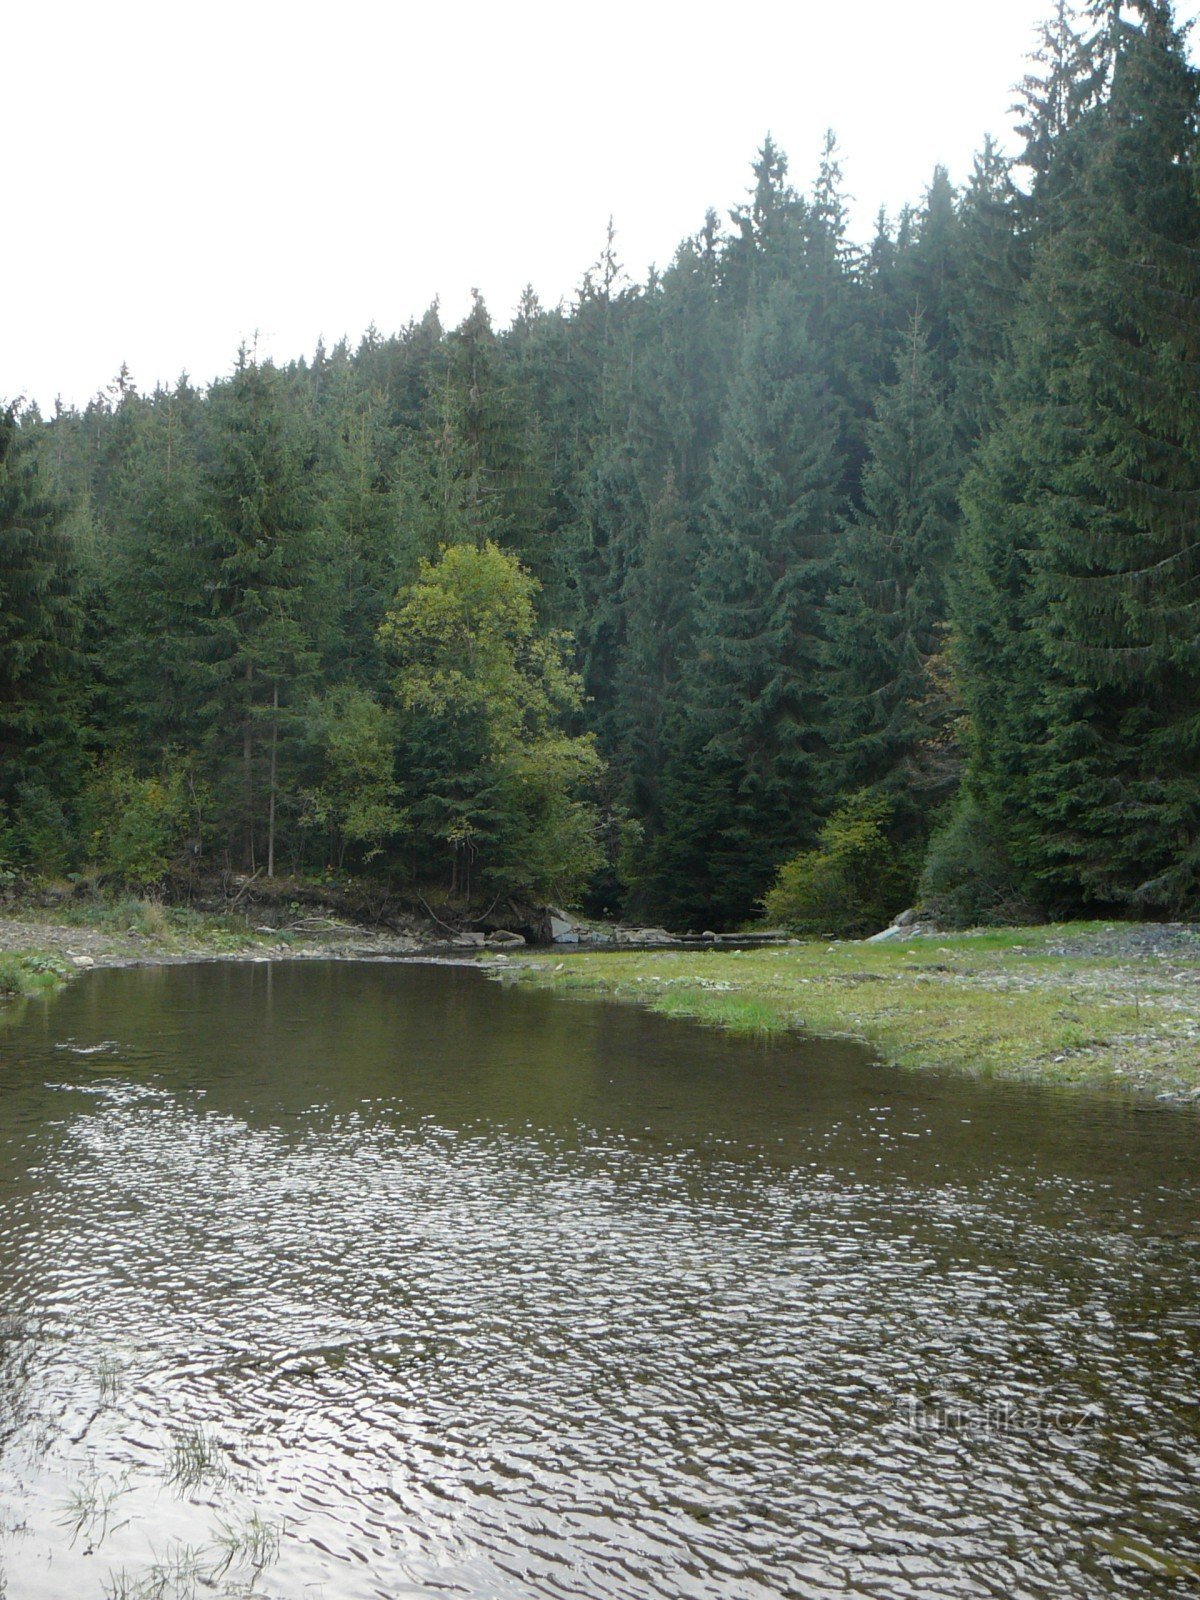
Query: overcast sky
[178, 176]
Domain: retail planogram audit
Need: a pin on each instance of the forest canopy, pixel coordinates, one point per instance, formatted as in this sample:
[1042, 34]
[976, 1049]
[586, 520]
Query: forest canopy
[809, 571]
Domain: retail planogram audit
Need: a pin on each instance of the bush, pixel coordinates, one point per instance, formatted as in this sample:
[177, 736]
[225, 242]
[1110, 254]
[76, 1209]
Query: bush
[35, 837]
[852, 884]
[968, 879]
[135, 827]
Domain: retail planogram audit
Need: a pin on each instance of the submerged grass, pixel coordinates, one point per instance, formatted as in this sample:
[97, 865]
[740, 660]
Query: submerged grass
[1049, 1003]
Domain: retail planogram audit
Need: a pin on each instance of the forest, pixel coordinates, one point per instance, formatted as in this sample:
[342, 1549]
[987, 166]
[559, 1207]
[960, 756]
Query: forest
[804, 580]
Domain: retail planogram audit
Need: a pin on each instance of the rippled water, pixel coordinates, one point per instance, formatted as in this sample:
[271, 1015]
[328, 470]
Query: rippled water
[335, 1280]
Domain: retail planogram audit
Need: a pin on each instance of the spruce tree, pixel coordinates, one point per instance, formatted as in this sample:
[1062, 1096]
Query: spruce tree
[267, 607]
[1081, 549]
[886, 708]
[764, 575]
[39, 678]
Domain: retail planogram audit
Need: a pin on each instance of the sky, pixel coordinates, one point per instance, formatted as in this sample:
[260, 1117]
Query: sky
[180, 176]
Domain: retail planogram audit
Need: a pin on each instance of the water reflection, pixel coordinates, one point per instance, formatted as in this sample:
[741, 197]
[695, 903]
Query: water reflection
[380, 1281]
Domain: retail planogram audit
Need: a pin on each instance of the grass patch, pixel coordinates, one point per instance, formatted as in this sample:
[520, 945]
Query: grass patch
[1018, 1003]
[172, 929]
[32, 972]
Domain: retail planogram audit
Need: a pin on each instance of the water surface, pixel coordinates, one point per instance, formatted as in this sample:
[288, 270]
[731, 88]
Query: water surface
[344, 1280]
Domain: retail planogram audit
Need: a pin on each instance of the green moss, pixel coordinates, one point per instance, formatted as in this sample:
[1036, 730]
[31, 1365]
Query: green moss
[1034, 1003]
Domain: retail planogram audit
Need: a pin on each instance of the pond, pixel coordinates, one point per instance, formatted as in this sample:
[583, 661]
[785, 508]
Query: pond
[343, 1280]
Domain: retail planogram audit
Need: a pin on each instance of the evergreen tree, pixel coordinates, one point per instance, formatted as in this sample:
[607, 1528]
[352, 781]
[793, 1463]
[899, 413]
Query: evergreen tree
[763, 579]
[1082, 507]
[38, 662]
[154, 594]
[886, 708]
[267, 608]
[993, 267]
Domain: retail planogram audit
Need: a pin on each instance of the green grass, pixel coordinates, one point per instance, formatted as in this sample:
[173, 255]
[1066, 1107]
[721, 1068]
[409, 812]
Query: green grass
[173, 929]
[1001, 1003]
[31, 972]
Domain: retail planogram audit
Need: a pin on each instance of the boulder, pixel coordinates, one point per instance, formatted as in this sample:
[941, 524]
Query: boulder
[470, 941]
[502, 939]
[82, 962]
[562, 928]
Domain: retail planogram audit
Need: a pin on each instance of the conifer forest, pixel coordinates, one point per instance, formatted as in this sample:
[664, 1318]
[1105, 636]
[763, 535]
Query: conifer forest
[809, 578]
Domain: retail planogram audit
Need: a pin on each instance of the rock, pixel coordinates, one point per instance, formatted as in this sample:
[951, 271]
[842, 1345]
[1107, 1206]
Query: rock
[887, 935]
[82, 962]
[906, 918]
[708, 934]
[502, 939]
[469, 941]
[562, 929]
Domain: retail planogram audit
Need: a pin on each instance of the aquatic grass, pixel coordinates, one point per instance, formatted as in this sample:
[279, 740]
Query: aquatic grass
[108, 1379]
[195, 1458]
[89, 1508]
[1047, 1003]
[248, 1542]
[180, 1574]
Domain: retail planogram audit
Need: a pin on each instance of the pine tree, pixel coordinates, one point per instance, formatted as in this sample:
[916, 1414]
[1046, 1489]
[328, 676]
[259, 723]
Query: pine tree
[885, 708]
[931, 271]
[154, 595]
[267, 609]
[762, 582]
[1081, 548]
[660, 619]
[38, 639]
[993, 267]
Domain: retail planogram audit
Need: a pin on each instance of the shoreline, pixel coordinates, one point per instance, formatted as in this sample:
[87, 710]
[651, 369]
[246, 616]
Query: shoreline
[1103, 1005]
[38, 957]
[1110, 1006]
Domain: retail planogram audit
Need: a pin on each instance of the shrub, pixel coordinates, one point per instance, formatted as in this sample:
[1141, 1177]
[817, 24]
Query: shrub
[35, 837]
[852, 884]
[968, 879]
[135, 827]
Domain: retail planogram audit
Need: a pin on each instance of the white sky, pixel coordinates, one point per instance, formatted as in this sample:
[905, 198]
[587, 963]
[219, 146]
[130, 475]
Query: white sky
[179, 176]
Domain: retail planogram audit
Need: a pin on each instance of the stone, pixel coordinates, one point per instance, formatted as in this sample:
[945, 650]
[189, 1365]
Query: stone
[503, 939]
[82, 962]
[470, 941]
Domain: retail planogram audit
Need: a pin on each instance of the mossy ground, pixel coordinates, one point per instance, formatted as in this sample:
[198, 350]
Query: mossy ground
[1069, 1003]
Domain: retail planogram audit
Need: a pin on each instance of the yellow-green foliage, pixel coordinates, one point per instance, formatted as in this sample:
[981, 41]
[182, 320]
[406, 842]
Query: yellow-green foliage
[134, 827]
[851, 884]
[486, 695]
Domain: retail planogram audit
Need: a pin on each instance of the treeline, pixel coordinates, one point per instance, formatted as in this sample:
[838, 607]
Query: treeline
[802, 571]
